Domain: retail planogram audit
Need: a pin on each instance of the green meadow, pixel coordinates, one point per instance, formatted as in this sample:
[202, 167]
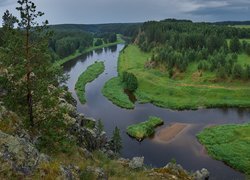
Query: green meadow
[189, 90]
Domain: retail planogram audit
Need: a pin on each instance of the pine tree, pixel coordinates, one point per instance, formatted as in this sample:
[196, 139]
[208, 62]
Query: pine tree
[116, 141]
[100, 127]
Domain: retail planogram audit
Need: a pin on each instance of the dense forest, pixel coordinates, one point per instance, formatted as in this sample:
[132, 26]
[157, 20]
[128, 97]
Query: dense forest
[177, 43]
[67, 39]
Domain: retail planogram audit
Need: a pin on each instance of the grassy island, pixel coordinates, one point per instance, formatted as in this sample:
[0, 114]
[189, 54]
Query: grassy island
[92, 72]
[144, 129]
[230, 144]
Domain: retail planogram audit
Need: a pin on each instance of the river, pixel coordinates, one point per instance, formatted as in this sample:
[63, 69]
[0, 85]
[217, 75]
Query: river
[185, 148]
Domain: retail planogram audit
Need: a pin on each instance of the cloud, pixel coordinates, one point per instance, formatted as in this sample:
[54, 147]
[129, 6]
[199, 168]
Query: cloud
[223, 9]
[7, 2]
[105, 11]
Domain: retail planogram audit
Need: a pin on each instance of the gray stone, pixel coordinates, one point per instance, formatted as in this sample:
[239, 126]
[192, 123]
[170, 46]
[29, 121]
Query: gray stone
[22, 155]
[99, 172]
[136, 163]
[201, 175]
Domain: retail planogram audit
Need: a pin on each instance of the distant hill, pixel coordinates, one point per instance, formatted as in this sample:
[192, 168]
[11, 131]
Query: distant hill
[119, 28]
[231, 23]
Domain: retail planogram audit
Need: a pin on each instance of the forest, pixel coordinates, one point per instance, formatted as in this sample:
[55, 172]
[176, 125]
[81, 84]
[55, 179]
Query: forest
[216, 48]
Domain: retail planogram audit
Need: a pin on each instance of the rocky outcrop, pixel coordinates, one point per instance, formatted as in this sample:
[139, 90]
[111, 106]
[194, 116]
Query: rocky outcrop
[202, 174]
[136, 163]
[87, 137]
[173, 171]
[21, 155]
[98, 172]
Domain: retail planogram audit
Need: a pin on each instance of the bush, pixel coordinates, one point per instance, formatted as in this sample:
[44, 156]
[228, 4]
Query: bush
[130, 81]
[98, 42]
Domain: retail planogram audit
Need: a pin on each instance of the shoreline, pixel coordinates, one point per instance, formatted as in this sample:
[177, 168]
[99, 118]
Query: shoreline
[78, 54]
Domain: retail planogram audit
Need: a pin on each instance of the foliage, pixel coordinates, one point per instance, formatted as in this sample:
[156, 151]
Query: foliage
[144, 129]
[130, 81]
[177, 44]
[113, 90]
[100, 127]
[116, 141]
[98, 42]
[30, 81]
[63, 44]
[79, 53]
[229, 143]
[235, 45]
[91, 73]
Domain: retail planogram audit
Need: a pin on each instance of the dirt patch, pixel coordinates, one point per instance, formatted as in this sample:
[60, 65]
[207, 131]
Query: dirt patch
[169, 133]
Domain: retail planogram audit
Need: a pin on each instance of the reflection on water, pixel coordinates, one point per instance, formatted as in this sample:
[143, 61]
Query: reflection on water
[130, 95]
[185, 148]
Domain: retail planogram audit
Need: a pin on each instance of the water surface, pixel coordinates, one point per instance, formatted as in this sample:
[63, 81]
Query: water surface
[184, 148]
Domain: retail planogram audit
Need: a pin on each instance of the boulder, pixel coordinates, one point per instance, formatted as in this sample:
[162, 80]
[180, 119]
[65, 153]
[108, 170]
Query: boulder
[136, 163]
[20, 154]
[202, 174]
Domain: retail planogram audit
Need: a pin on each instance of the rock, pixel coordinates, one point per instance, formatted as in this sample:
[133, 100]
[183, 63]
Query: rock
[22, 155]
[110, 154]
[202, 175]
[136, 163]
[70, 172]
[72, 112]
[99, 173]
[87, 154]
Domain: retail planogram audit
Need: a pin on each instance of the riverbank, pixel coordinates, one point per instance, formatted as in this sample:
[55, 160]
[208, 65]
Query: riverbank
[230, 144]
[189, 90]
[91, 73]
[78, 53]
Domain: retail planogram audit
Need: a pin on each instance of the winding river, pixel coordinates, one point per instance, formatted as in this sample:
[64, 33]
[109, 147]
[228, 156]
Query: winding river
[184, 148]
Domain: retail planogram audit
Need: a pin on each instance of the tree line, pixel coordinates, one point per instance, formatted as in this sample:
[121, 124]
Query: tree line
[177, 43]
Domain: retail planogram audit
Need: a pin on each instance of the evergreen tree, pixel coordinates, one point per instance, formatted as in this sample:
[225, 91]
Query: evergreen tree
[99, 127]
[237, 71]
[130, 81]
[116, 141]
[235, 45]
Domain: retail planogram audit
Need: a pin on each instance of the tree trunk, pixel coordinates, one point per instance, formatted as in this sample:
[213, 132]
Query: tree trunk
[29, 101]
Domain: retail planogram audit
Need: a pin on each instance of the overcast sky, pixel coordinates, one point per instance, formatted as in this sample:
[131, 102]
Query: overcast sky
[109, 11]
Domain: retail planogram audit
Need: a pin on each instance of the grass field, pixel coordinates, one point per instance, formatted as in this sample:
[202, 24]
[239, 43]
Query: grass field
[230, 144]
[92, 72]
[144, 129]
[188, 90]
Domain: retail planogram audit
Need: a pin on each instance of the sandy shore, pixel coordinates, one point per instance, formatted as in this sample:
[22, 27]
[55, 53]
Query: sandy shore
[167, 134]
